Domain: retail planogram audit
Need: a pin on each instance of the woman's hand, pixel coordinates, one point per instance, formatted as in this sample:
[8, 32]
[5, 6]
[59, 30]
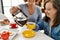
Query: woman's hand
[14, 9]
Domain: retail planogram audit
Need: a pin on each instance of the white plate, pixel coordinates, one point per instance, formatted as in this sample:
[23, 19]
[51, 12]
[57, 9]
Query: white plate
[12, 35]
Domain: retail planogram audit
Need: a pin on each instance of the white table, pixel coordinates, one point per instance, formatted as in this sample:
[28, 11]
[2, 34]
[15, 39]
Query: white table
[19, 36]
[38, 36]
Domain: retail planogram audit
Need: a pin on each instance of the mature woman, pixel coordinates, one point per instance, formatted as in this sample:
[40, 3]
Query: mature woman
[51, 22]
[30, 9]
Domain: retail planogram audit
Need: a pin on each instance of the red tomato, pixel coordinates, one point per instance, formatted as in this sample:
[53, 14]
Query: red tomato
[5, 35]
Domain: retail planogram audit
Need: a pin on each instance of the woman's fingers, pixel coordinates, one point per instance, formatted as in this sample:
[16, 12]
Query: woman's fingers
[14, 10]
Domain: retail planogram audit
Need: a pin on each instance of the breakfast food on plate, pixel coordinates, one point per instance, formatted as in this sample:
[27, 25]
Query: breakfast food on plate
[7, 34]
[28, 33]
[10, 33]
[5, 21]
[0, 35]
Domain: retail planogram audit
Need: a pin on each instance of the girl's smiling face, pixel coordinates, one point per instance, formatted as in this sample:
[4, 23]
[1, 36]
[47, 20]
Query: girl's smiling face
[50, 11]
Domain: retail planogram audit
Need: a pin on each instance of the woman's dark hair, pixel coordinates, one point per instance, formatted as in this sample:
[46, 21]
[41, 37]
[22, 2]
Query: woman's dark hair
[38, 0]
[26, 0]
[56, 5]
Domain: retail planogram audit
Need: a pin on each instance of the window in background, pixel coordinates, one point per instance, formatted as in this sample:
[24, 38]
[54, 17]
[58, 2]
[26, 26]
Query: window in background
[1, 7]
[2, 17]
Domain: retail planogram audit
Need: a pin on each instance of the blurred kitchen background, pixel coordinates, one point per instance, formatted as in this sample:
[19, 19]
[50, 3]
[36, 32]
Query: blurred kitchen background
[7, 4]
